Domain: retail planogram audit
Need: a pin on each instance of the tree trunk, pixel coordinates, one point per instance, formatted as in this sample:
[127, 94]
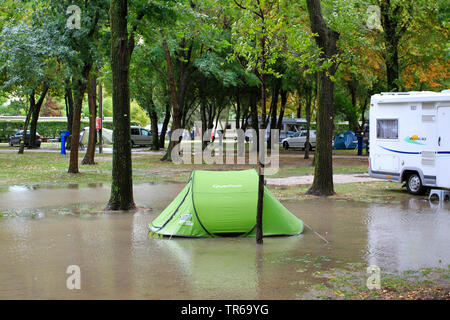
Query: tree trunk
[162, 137]
[283, 96]
[35, 118]
[244, 119]
[27, 122]
[392, 64]
[176, 112]
[154, 124]
[395, 22]
[261, 160]
[238, 109]
[92, 99]
[254, 117]
[326, 41]
[323, 173]
[363, 110]
[274, 110]
[299, 107]
[80, 88]
[100, 114]
[308, 122]
[204, 123]
[122, 174]
[68, 97]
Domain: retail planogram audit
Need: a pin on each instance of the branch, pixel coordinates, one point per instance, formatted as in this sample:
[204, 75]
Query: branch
[244, 8]
[159, 70]
[133, 31]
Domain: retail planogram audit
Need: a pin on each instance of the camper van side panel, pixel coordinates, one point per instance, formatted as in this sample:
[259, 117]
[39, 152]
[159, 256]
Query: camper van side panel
[398, 139]
[443, 145]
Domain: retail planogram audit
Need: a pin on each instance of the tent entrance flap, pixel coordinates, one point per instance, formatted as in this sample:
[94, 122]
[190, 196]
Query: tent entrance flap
[223, 203]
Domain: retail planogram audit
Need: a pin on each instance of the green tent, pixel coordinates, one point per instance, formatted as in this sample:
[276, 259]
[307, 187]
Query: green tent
[223, 203]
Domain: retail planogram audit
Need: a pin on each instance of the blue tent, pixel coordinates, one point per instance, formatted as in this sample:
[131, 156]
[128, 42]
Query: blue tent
[346, 140]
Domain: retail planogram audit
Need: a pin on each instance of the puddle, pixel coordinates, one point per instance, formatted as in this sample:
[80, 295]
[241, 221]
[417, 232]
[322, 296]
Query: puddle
[44, 230]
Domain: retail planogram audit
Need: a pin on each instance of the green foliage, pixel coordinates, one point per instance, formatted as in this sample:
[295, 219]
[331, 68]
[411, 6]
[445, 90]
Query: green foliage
[223, 40]
[138, 115]
[14, 108]
[344, 110]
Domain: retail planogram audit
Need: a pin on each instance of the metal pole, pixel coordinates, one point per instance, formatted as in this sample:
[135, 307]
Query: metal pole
[100, 113]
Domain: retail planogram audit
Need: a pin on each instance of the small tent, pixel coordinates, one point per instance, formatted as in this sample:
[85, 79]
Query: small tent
[346, 140]
[106, 134]
[223, 203]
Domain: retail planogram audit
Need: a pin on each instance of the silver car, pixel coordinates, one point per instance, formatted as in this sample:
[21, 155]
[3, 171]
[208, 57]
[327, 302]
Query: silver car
[298, 140]
[140, 136]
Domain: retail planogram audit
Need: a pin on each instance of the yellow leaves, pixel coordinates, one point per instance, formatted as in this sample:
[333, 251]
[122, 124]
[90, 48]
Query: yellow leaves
[428, 74]
[339, 293]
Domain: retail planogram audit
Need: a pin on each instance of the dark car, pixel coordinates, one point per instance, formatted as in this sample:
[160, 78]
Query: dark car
[15, 139]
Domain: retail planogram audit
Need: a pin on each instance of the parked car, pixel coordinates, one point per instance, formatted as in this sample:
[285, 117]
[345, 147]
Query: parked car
[14, 140]
[140, 136]
[298, 140]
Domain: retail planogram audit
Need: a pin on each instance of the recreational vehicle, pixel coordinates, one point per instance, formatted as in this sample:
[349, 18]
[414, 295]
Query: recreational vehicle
[410, 139]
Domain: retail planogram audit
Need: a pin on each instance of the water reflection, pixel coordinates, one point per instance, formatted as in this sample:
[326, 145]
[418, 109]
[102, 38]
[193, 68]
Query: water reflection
[413, 237]
[50, 229]
[17, 188]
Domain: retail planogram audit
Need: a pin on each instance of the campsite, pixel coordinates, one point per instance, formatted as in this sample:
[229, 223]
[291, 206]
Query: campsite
[225, 159]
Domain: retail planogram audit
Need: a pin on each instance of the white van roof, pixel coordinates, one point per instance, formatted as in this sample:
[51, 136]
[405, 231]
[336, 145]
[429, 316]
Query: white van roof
[411, 96]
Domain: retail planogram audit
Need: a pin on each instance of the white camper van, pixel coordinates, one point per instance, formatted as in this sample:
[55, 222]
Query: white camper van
[410, 139]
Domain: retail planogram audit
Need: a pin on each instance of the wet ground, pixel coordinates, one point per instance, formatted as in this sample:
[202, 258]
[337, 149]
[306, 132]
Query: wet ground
[43, 231]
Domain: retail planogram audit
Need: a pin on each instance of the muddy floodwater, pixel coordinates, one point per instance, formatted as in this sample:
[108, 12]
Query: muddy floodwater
[45, 230]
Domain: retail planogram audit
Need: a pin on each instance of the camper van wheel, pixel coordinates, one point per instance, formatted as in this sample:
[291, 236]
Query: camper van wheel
[285, 145]
[414, 184]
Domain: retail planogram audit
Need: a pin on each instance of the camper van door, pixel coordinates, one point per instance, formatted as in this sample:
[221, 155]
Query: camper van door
[443, 156]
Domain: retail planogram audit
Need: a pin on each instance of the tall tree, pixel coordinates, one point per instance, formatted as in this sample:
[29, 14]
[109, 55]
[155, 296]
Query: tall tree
[79, 54]
[257, 49]
[121, 48]
[326, 40]
[396, 16]
[30, 67]
[89, 157]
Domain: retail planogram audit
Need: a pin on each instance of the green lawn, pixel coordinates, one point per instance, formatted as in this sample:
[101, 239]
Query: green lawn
[50, 168]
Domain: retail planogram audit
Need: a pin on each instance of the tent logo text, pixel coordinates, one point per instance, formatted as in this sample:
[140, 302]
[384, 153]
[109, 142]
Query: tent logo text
[227, 186]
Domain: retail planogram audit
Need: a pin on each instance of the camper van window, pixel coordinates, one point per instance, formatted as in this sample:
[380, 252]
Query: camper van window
[387, 128]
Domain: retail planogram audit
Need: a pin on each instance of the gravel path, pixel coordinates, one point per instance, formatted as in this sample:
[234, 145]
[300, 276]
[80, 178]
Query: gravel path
[308, 179]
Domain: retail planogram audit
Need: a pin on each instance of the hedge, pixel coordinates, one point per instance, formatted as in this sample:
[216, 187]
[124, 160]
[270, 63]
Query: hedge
[47, 129]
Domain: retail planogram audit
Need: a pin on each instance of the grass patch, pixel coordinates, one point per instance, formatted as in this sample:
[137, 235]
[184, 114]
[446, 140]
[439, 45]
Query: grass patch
[50, 168]
[409, 285]
[373, 192]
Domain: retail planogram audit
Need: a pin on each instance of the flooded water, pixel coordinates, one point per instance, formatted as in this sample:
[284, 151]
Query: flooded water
[43, 231]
